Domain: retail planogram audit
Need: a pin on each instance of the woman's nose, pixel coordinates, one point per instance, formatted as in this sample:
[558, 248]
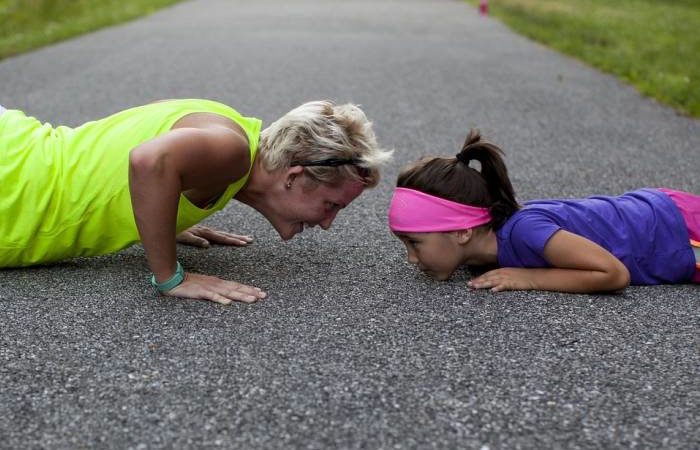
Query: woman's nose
[328, 220]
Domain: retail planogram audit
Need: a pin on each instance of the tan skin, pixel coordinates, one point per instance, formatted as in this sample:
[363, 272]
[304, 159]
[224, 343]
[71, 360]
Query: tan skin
[579, 265]
[201, 155]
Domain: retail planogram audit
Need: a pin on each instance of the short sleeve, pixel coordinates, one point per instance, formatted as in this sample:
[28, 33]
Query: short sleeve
[524, 241]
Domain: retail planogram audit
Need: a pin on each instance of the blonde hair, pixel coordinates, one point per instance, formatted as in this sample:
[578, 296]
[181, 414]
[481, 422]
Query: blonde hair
[320, 130]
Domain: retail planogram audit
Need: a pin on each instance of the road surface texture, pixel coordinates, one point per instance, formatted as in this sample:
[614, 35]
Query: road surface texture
[352, 349]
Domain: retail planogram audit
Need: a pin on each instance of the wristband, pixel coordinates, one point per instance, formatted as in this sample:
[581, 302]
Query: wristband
[172, 282]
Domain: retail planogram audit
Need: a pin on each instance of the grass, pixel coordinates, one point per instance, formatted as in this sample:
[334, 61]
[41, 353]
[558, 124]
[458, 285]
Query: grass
[28, 24]
[652, 44]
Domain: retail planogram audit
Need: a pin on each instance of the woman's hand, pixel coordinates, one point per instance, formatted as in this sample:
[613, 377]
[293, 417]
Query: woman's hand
[200, 236]
[205, 287]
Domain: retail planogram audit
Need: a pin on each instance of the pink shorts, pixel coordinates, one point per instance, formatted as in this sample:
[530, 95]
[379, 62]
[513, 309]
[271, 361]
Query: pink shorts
[689, 205]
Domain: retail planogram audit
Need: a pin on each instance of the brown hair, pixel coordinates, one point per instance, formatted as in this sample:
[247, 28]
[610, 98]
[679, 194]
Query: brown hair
[453, 178]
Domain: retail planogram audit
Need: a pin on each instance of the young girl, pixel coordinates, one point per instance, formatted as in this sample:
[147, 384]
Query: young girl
[448, 214]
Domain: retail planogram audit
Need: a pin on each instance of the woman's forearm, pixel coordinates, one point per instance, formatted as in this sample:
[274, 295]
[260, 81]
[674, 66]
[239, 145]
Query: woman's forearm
[155, 191]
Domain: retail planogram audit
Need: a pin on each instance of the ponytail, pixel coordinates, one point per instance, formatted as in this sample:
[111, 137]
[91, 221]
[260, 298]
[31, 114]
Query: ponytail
[453, 178]
[494, 172]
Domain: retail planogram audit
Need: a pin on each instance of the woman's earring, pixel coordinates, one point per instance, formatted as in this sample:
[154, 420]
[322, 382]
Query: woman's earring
[289, 185]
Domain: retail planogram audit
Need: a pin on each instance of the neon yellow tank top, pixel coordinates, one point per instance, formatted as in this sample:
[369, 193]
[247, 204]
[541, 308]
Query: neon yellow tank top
[64, 192]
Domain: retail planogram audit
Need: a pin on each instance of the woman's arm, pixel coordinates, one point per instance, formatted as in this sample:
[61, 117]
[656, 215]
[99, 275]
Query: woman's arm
[579, 265]
[162, 168]
[201, 236]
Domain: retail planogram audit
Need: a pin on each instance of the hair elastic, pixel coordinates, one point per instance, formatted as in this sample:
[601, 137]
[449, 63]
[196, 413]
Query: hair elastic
[461, 157]
[413, 211]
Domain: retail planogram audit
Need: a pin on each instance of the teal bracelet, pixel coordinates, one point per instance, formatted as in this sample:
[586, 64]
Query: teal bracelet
[172, 282]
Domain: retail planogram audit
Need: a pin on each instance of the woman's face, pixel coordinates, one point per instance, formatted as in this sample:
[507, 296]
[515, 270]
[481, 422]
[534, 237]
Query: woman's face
[306, 204]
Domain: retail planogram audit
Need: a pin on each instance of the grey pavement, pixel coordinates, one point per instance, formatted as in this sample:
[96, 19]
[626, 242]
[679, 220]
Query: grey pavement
[353, 349]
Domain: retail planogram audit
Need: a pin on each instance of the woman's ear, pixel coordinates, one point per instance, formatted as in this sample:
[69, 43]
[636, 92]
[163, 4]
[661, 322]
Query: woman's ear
[291, 174]
[464, 236]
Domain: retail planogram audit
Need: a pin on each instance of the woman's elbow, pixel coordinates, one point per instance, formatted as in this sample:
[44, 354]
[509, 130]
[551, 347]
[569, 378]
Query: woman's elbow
[144, 162]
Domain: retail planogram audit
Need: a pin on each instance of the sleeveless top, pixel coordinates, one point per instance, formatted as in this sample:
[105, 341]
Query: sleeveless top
[64, 192]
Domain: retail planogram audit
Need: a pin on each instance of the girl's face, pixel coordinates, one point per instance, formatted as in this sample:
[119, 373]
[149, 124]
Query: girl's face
[436, 254]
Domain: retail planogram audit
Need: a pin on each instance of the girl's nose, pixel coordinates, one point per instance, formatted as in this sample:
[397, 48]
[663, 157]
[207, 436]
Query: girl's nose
[412, 258]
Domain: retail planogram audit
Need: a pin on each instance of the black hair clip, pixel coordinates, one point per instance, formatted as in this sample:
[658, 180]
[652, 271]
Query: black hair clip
[335, 162]
[330, 162]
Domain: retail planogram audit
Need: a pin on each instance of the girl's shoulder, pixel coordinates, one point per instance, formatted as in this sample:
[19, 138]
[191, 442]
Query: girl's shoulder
[522, 238]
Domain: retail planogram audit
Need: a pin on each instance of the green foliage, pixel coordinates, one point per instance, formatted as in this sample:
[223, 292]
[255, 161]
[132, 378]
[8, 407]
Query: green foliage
[652, 44]
[27, 24]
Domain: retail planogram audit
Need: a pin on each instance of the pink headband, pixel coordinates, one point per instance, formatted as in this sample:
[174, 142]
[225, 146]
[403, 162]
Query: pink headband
[414, 211]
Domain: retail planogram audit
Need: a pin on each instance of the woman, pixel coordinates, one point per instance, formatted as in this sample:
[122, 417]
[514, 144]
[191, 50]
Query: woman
[149, 174]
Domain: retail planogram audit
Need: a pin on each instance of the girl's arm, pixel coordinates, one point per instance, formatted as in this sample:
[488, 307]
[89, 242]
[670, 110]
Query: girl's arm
[579, 265]
[162, 168]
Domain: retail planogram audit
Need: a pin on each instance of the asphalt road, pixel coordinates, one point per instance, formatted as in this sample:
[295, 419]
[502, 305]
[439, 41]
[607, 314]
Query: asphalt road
[353, 348]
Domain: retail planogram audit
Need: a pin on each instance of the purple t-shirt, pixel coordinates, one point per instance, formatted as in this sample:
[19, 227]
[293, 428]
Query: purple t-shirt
[644, 229]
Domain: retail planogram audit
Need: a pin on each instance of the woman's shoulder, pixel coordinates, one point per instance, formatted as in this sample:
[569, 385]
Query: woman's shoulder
[200, 104]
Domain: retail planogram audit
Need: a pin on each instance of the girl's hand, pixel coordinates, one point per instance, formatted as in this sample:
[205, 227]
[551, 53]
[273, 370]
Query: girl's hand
[504, 279]
[205, 287]
[200, 236]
